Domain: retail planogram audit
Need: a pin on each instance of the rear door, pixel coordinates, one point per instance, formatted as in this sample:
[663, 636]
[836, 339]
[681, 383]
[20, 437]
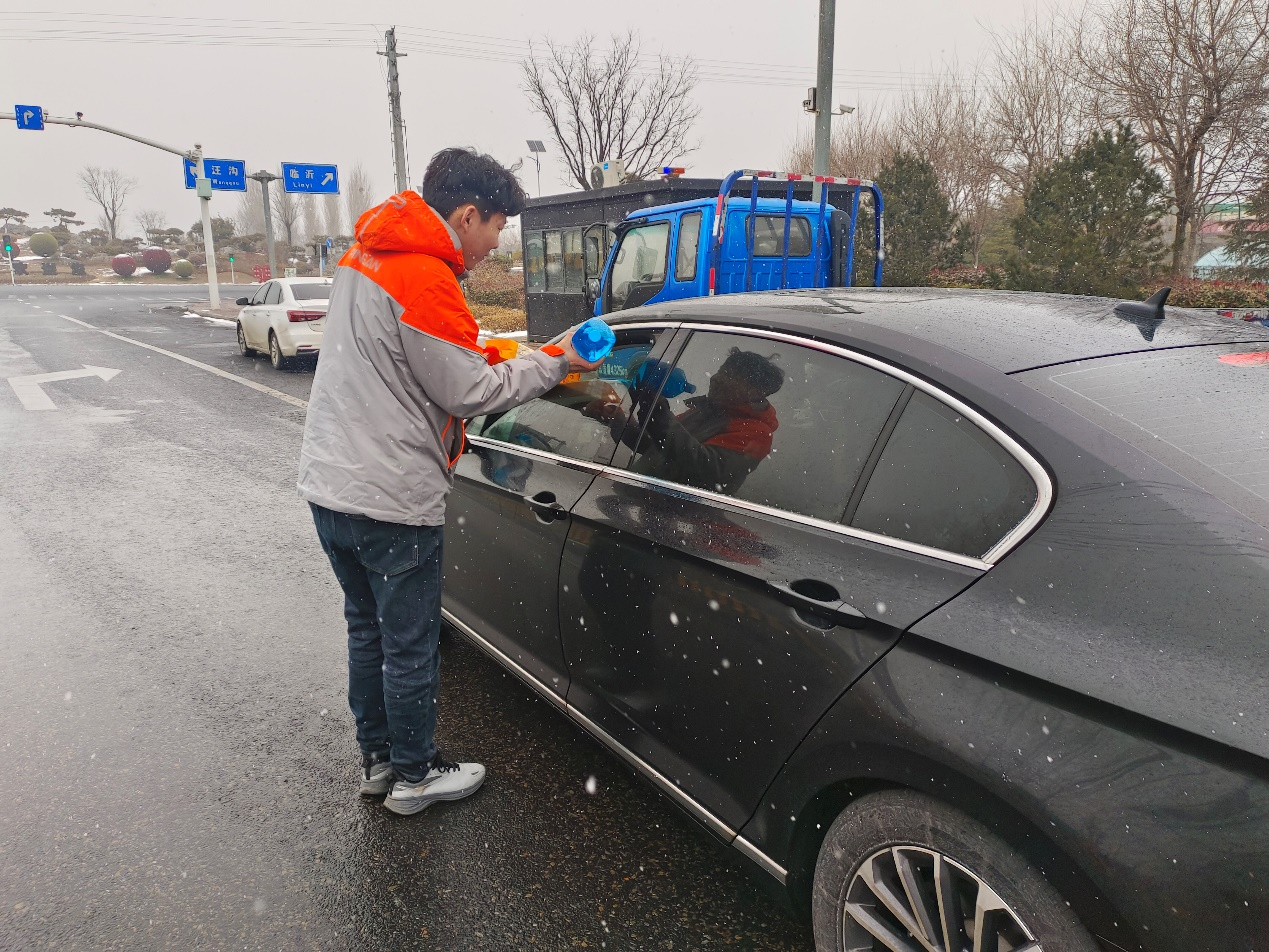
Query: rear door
[508, 515]
[712, 603]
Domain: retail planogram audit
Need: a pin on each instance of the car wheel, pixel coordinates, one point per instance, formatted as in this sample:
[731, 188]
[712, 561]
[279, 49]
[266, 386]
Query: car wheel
[276, 357]
[242, 343]
[899, 870]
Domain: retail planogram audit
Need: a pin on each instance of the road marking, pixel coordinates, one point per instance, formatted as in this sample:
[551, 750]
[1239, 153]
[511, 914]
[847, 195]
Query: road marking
[33, 396]
[259, 387]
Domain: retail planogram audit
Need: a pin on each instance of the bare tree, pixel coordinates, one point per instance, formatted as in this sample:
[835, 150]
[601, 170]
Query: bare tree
[249, 216]
[1193, 78]
[108, 189]
[360, 194]
[311, 217]
[862, 144]
[151, 221]
[607, 105]
[333, 214]
[286, 212]
[946, 120]
[1038, 107]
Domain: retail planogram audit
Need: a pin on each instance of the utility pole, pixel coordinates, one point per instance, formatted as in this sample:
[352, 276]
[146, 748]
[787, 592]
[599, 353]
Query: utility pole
[394, 105]
[264, 178]
[824, 92]
[202, 184]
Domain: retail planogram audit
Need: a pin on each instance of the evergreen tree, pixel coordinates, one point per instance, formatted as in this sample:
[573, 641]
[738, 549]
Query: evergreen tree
[919, 222]
[1249, 237]
[1090, 222]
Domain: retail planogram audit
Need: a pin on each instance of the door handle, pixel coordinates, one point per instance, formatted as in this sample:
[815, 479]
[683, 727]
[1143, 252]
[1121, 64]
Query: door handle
[820, 598]
[545, 507]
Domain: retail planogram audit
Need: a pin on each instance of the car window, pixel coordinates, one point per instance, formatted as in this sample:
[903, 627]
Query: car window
[554, 261]
[274, 296]
[534, 262]
[260, 292]
[638, 270]
[770, 422]
[768, 239]
[311, 292]
[688, 244]
[943, 482]
[583, 417]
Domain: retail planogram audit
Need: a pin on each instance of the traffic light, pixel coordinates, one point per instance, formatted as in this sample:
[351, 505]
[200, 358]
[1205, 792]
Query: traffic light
[231, 259]
[8, 246]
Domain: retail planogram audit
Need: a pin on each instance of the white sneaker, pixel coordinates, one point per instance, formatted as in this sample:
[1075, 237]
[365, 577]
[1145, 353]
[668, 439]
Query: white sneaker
[445, 780]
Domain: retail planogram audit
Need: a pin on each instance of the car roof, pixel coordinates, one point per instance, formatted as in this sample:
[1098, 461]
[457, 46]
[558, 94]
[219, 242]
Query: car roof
[1011, 331]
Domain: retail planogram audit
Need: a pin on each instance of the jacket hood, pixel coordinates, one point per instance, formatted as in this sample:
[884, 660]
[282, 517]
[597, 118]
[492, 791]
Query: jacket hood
[406, 223]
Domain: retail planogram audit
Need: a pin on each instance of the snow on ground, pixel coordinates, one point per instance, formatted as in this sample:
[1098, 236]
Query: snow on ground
[210, 320]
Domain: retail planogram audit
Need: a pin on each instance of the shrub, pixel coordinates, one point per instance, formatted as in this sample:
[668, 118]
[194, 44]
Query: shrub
[43, 244]
[77, 269]
[123, 265]
[156, 260]
[1196, 292]
[48, 267]
[183, 269]
[966, 276]
[491, 283]
[198, 260]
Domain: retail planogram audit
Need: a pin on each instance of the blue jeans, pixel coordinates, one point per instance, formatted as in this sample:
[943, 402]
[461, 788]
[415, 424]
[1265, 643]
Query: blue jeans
[391, 577]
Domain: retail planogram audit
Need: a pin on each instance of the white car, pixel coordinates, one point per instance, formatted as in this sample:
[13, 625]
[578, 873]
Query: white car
[284, 318]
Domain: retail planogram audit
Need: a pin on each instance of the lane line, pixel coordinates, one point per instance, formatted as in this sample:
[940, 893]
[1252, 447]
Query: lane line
[259, 387]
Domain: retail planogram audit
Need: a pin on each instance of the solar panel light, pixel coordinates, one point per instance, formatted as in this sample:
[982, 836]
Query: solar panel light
[535, 145]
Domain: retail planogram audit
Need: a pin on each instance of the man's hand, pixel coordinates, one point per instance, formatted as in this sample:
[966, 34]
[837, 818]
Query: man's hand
[575, 363]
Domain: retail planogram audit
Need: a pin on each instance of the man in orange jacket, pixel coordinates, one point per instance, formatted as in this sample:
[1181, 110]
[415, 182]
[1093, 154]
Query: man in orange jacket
[400, 372]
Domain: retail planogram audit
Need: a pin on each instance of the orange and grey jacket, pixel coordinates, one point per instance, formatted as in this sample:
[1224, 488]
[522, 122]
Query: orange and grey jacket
[400, 371]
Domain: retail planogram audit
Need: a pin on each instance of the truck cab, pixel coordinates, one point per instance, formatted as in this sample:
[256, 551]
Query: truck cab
[726, 245]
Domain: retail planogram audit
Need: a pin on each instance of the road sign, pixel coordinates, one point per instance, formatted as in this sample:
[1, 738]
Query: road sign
[29, 117]
[227, 175]
[307, 177]
[330, 242]
[261, 273]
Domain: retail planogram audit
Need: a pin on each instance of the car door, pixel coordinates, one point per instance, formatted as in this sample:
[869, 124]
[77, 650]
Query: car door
[638, 273]
[712, 604]
[251, 318]
[271, 311]
[508, 515]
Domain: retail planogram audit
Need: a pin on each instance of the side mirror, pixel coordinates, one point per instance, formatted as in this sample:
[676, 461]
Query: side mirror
[592, 292]
[243, 302]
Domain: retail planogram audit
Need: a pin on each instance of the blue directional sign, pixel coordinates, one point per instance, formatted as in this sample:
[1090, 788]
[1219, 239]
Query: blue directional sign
[227, 175]
[29, 117]
[308, 177]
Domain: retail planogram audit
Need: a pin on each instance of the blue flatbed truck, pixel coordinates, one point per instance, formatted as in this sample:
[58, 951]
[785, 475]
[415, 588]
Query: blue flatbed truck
[729, 244]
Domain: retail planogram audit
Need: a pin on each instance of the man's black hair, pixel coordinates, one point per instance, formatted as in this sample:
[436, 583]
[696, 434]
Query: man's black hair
[761, 373]
[457, 177]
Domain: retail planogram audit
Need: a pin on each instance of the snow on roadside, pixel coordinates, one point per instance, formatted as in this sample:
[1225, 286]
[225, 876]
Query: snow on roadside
[210, 320]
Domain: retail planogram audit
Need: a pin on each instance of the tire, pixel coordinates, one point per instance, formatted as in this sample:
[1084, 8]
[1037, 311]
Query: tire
[276, 357]
[242, 343]
[883, 835]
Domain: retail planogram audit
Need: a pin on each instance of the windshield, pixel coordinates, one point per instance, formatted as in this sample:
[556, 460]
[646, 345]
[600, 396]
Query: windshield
[311, 292]
[1201, 411]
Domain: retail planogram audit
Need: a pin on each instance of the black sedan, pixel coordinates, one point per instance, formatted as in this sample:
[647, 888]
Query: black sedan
[946, 608]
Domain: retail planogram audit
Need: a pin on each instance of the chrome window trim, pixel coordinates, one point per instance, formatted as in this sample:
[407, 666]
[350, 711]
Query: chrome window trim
[1039, 476]
[662, 782]
[516, 450]
[651, 482]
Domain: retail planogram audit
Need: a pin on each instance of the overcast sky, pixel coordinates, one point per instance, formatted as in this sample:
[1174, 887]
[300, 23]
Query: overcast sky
[267, 84]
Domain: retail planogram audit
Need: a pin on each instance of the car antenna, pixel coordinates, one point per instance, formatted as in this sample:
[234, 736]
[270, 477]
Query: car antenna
[1147, 315]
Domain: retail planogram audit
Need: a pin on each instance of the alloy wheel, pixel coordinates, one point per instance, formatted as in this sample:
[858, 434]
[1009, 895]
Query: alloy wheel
[912, 899]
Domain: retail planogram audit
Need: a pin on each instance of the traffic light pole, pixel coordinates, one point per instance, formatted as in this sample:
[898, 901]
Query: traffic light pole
[203, 184]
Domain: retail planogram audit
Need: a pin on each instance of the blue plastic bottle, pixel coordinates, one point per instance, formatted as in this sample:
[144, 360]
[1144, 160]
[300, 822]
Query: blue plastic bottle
[594, 340]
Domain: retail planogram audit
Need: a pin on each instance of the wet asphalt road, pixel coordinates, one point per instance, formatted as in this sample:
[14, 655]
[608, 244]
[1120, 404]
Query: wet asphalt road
[179, 769]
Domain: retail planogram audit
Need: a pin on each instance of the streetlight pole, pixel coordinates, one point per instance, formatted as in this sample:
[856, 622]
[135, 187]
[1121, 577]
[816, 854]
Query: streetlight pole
[824, 92]
[264, 178]
[202, 184]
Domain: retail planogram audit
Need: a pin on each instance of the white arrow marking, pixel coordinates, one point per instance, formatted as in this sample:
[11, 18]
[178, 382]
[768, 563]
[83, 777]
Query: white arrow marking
[28, 115]
[34, 398]
[330, 176]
